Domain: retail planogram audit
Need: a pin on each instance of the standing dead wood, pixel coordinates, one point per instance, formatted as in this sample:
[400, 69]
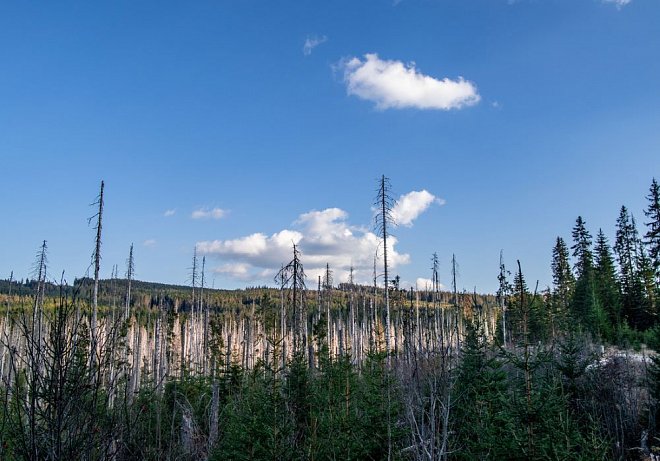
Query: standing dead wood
[96, 260]
[384, 219]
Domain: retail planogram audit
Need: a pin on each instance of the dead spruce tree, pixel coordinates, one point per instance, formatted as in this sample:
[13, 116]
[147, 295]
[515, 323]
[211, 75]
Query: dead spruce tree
[383, 220]
[293, 276]
[130, 271]
[458, 311]
[435, 286]
[327, 298]
[96, 260]
[502, 295]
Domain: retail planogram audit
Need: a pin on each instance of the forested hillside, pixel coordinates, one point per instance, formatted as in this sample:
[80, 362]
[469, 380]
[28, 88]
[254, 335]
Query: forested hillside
[122, 369]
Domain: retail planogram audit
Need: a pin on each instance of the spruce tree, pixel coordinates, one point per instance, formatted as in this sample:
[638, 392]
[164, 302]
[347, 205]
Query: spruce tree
[526, 321]
[648, 286]
[582, 248]
[482, 420]
[627, 249]
[652, 236]
[562, 278]
[584, 303]
[607, 286]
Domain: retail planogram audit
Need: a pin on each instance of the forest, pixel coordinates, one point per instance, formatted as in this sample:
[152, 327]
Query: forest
[333, 369]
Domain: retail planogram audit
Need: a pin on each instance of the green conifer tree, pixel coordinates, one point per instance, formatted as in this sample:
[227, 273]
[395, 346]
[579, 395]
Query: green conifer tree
[563, 281]
[582, 248]
[584, 304]
[482, 421]
[607, 286]
[652, 236]
[627, 249]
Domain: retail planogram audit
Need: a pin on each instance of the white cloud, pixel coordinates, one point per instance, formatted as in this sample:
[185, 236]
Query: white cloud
[205, 213]
[244, 272]
[169, 213]
[393, 84]
[322, 237]
[424, 284]
[149, 242]
[618, 3]
[312, 42]
[411, 205]
[239, 271]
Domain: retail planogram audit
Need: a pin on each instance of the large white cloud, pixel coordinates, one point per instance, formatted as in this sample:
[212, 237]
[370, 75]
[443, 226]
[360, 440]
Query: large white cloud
[323, 237]
[393, 84]
[256, 249]
[411, 205]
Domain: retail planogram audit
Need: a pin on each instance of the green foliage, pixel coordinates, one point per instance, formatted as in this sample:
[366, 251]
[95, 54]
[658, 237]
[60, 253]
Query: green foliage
[582, 248]
[562, 276]
[334, 413]
[256, 424]
[482, 419]
[652, 236]
[349, 413]
[607, 290]
[546, 427]
[527, 315]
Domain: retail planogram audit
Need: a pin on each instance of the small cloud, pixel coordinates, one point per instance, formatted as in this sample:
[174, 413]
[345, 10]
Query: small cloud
[169, 213]
[618, 3]
[312, 42]
[393, 84]
[149, 243]
[495, 105]
[411, 205]
[205, 213]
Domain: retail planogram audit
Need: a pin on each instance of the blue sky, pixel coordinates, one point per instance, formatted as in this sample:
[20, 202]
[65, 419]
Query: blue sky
[273, 121]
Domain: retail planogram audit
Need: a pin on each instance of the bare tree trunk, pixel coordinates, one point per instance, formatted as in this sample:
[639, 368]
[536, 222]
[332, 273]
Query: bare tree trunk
[215, 414]
[97, 267]
[130, 270]
[205, 314]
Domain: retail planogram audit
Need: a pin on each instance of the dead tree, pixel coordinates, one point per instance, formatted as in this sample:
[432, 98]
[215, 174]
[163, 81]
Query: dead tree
[37, 312]
[205, 313]
[130, 272]
[383, 220]
[327, 295]
[458, 313]
[293, 275]
[435, 286]
[193, 276]
[502, 294]
[280, 278]
[96, 260]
